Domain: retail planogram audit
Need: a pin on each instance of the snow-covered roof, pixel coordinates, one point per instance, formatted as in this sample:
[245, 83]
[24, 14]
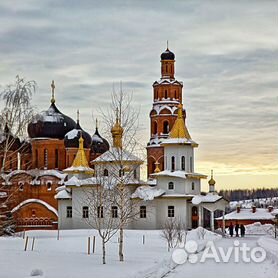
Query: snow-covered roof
[62, 193]
[167, 81]
[38, 201]
[152, 182]
[72, 134]
[79, 169]
[147, 193]
[177, 195]
[248, 214]
[36, 174]
[184, 141]
[116, 154]
[178, 174]
[208, 198]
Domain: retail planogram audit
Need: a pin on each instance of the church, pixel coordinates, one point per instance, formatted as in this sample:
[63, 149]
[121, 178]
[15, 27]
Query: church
[173, 188]
[55, 169]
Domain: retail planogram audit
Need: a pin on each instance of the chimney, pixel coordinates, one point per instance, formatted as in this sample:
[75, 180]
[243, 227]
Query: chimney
[270, 208]
[238, 208]
[253, 209]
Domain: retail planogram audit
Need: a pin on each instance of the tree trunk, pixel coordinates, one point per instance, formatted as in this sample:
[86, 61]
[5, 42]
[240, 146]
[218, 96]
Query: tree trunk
[103, 252]
[121, 245]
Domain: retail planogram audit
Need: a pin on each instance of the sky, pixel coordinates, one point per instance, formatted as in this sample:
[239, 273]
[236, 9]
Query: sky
[226, 55]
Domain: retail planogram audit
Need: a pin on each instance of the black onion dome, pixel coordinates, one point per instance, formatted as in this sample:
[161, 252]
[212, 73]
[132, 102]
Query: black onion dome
[99, 144]
[71, 139]
[9, 140]
[50, 124]
[167, 55]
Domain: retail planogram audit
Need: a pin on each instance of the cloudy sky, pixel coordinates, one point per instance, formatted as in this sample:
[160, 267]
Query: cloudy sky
[226, 55]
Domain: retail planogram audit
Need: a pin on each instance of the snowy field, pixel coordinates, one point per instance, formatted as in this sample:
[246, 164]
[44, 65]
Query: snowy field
[68, 258]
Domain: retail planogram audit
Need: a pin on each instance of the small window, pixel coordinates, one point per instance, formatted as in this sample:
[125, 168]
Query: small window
[183, 163]
[85, 213]
[56, 158]
[191, 164]
[155, 128]
[105, 172]
[134, 174]
[121, 172]
[21, 186]
[166, 94]
[143, 212]
[45, 159]
[69, 212]
[33, 213]
[49, 186]
[165, 127]
[193, 186]
[172, 163]
[170, 185]
[114, 212]
[171, 211]
[100, 211]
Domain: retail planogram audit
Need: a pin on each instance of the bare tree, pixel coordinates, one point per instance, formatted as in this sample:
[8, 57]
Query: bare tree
[125, 156]
[15, 114]
[100, 200]
[14, 117]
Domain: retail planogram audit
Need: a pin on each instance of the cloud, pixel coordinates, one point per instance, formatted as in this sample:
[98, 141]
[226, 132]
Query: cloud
[226, 53]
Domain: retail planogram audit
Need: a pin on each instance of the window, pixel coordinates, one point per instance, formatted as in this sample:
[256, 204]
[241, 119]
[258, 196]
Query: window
[143, 212]
[37, 159]
[165, 127]
[183, 163]
[100, 212]
[21, 186]
[69, 212]
[172, 163]
[191, 164]
[56, 158]
[105, 172]
[170, 185]
[121, 172]
[33, 213]
[49, 185]
[134, 174]
[193, 186]
[45, 158]
[171, 211]
[114, 212]
[85, 212]
[155, 128]
[166, 94]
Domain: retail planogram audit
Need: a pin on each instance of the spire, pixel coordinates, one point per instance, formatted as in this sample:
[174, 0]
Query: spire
[117, 132]
[80, 162]
[53, 92]
[179, 129]
[167, 45]
[78, 114]
[96, 123]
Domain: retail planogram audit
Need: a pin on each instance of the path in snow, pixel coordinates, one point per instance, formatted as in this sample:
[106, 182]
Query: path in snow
[211, 269]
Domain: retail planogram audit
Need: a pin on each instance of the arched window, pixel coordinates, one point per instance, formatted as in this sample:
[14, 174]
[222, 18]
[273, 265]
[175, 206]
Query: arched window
[191, 164]
[49, 186]
[166, 94]
[165, 127]
[170, 185]
[45, 153]
[105, 173]
[183, 163]
[172, 163]
[193, 186]
[21, 186]
[155, 128]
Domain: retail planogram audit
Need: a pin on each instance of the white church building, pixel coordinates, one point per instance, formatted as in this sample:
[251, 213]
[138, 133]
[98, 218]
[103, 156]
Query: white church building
[174, 193]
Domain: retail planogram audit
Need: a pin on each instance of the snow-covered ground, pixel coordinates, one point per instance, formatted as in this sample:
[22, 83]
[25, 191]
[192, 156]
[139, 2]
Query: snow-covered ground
[68, 257]
[263, 202]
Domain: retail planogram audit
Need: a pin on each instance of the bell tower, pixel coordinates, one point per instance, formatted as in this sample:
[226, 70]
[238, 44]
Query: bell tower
[167, 96]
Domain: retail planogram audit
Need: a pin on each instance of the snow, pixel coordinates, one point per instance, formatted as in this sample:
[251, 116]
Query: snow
[49, 115]
[178, 174]
[38, 201]
[79, 169]
[258, 228]
[262, 202]
[62, 193]
[178, 141]
[115, 154]
[96, 138]
[3, 194]
[208, 198]
[247, 214]
[167, 81]
[147, 193]
[68, 257]
[72, 134]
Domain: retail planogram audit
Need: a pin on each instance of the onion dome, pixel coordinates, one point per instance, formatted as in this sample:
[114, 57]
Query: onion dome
[117, 132]
[211, 181]
[8, 140]
[167, 55]
[71, 139]
[99, 144]
[50, 123]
